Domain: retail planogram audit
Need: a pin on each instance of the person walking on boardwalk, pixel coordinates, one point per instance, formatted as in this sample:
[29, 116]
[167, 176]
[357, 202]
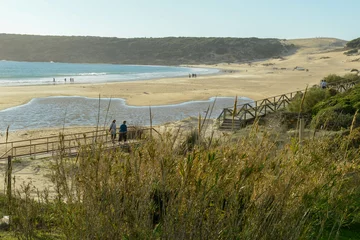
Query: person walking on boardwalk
[123, 132]
[112, 130]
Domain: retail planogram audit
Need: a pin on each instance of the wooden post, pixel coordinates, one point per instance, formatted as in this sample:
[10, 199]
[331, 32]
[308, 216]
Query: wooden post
[301, 130]
[256, 109]
[9, 172]
[151, 127]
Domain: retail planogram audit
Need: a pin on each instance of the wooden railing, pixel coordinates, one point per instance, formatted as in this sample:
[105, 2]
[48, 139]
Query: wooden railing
[68, 142]
[247, 111]
[343, 86]
[257, 108]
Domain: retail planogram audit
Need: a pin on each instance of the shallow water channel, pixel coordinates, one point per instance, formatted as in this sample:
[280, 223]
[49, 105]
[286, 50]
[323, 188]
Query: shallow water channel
[82, 111]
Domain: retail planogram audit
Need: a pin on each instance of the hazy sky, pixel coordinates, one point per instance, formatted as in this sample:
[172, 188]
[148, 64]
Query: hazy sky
[203, 18]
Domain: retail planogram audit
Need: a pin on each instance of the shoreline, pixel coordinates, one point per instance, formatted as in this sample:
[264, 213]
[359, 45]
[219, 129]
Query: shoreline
[255, 80]
[111, 77]
[84, 85]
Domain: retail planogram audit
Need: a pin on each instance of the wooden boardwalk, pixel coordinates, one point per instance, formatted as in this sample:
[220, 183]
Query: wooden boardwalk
[69, 143]
[233, 118]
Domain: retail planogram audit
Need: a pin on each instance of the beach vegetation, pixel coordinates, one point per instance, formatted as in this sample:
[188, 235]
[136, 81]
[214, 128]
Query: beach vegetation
[355, 43]
[336, 79]
[351, 52]
[337, 112]
[155, 51]
[329, 109]
[313, 96]
[237, 187]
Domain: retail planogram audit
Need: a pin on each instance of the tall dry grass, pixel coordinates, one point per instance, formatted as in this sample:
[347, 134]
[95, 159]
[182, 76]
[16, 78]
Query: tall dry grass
[253, 187]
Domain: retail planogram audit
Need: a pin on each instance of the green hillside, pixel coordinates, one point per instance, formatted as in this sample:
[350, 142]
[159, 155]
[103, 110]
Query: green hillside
[161, 51]
[355, 43]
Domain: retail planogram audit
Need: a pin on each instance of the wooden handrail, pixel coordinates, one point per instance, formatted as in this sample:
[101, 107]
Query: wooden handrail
[64, 140]
[65, 135]
[6, 153]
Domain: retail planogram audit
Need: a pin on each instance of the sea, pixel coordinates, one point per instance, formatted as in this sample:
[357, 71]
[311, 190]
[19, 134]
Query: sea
[14, 73]
[59, 111]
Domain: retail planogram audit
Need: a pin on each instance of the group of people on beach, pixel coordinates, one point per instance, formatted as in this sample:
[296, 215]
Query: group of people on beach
[192, 75]
[122, 131]
[71, 80]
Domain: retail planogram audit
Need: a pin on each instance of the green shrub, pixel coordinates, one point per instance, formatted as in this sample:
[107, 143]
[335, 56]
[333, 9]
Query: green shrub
[347, 102]
[313, 96]
[351, 52]
[333, 78]
[355, 43]
[331, 119]
[352, 77]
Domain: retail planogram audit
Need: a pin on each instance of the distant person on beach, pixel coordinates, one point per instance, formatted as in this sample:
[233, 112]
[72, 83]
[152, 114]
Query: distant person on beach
[65, 80]
[189, 75]
[112, 130]
[123, 132]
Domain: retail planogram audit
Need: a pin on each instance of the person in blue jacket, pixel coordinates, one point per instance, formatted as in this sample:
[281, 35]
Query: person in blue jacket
[123, 132]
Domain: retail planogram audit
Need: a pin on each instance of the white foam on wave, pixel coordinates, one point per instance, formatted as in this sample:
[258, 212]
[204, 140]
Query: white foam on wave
[92, 74]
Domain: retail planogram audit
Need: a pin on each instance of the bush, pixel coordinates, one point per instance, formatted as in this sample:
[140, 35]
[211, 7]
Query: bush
[346, 103]
[352, 77]
[355, 43]
[333, 78]
[313, 96]
[351, 52]
[331, 119]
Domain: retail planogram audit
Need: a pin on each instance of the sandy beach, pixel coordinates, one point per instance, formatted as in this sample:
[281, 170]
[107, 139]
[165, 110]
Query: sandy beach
[254, 80]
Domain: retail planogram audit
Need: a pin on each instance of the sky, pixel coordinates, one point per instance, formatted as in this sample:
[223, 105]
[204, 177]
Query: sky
[284, 19]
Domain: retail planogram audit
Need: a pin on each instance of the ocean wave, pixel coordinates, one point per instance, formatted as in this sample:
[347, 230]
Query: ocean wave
[92, 74]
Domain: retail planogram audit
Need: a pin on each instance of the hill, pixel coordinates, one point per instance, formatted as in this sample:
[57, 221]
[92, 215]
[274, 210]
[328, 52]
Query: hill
[355, 43]
[318, 45]
[160, 51]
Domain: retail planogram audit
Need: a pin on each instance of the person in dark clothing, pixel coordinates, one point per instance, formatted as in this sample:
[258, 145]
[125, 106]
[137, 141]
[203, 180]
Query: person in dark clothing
[112, 130]
[123, 132]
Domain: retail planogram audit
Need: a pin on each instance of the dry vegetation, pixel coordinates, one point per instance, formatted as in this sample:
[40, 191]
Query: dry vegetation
[250, 187]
